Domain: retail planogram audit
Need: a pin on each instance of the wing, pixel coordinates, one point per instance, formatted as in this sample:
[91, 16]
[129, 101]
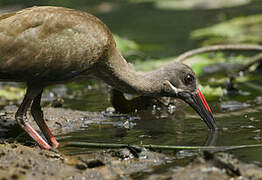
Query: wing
[44, 43]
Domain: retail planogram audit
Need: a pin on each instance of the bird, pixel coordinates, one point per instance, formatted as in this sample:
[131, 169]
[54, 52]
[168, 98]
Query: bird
[45, 45]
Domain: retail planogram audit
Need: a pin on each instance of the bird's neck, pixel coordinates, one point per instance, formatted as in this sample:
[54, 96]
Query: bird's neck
[121, 75]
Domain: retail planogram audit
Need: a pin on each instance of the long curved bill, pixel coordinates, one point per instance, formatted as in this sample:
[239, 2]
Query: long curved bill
[197, 101]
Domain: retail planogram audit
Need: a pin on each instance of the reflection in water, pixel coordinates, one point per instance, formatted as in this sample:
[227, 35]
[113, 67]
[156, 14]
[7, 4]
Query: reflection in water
[211, 138]
[158, 128]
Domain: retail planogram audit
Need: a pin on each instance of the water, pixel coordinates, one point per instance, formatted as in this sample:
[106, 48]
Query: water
[238, 119]
[165, 33]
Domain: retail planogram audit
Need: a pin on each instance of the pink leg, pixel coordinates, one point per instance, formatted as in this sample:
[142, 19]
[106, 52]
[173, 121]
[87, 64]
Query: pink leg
[20, 117]
[36, 136]
[38, 117]
[34, 93]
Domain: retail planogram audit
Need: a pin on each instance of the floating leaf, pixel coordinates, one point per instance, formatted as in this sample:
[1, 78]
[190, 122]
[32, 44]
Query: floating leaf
[193, 4]
[151, 64]
[211, 92]
[125, 45]
[237, 30]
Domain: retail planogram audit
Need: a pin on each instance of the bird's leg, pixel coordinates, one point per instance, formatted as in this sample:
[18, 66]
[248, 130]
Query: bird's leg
[37, 114]
[21, 118]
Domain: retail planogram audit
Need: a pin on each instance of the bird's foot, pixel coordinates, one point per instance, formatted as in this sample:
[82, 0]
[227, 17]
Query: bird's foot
[40, 141]
[54, 142]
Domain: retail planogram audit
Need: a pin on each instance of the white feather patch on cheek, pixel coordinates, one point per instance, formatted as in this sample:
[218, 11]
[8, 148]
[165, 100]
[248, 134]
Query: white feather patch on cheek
[176, 90]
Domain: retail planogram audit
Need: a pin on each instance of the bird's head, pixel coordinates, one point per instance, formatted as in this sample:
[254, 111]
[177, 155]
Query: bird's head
[180, 81]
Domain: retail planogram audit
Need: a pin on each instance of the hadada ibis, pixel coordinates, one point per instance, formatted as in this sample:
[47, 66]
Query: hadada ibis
[47, 45]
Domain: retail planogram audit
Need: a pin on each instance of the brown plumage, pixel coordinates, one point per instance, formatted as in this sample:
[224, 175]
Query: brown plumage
[47, 45]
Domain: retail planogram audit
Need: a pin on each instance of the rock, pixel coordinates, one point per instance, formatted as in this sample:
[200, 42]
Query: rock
[211, 166]
[258, 100]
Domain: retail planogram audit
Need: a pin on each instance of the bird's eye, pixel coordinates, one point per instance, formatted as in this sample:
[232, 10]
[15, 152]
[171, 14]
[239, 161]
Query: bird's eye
[189, 78]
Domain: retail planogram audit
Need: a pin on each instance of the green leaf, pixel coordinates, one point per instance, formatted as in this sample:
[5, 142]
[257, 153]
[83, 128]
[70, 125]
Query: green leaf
[211, 93]
[237, 30]
[12, 93]
[125, 45]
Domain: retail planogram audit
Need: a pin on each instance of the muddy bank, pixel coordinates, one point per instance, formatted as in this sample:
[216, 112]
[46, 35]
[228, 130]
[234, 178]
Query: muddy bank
[59, 120]
[20, 158]
[22, 162]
